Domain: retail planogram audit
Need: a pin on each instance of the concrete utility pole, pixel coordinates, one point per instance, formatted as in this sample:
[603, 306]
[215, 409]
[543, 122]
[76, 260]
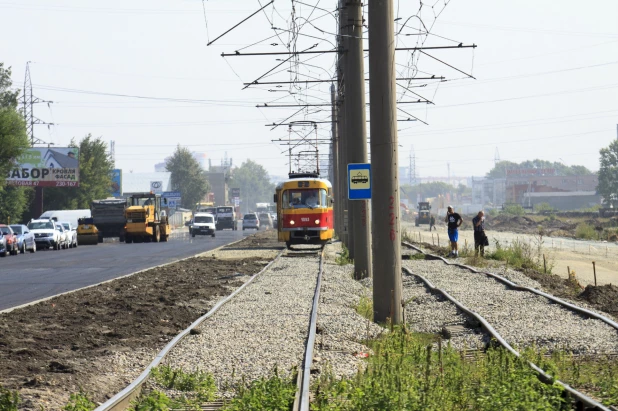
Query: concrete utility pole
[360, 247]
[343, 126]
[387, 295]
[334, 155]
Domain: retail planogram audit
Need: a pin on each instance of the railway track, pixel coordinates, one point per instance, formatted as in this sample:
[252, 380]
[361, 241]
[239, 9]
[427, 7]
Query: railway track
[123, 399]
[581, 400]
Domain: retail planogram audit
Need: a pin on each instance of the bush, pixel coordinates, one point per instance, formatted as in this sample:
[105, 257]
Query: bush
[79, 402]
[513, 209]
[543, 207]
[274, 393]
[9, 400]
[586, 231]
[518, 255]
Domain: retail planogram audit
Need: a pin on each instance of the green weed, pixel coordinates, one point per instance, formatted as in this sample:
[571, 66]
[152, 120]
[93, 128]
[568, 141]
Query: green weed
[364, 306]
[154, 401]
[274, 394]
[79, 402]
[9, 400]
[543, 207]
[406, 236]
[586, 231]
[344, 257]
[200, 384]
[406, 373]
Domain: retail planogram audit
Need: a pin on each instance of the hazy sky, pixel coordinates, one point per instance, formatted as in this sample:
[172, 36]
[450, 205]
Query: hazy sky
[546, 84]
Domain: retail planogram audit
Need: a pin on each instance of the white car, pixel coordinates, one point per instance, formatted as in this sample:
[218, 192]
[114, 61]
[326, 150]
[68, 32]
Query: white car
[64, 236]
[71, 233]
[45, 234]
[203, 224]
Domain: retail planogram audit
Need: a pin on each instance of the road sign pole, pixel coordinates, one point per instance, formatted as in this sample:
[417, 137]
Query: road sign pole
[385, 162]
[360, 247]
[334, 158]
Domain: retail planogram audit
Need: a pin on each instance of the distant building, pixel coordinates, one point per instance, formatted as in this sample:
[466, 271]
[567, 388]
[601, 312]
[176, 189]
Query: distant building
[218, 187]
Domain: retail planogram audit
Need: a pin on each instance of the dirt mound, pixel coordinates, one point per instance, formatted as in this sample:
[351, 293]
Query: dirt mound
[604, 297]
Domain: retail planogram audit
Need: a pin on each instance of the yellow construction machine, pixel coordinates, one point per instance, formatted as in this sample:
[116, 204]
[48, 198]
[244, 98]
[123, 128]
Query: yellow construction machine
[87, 232]
[146, 221]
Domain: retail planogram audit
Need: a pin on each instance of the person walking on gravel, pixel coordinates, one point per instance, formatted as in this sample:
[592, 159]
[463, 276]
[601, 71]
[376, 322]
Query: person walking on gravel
[453, 220]
[480, 239]
[432, 223]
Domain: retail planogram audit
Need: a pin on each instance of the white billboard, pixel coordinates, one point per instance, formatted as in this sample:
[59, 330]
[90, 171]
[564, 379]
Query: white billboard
[46, 167]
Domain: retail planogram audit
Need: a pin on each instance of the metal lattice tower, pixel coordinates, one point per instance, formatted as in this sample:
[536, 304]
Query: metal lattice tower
[112, 151]
[496, 157]
[28, 101]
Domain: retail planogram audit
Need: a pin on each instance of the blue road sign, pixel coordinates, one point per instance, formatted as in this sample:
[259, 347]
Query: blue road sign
[359, 181]
[171, 194]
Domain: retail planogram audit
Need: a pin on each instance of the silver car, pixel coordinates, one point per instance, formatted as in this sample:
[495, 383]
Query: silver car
[25, 238]
[71, 234]
[250, 220]
[64, 236]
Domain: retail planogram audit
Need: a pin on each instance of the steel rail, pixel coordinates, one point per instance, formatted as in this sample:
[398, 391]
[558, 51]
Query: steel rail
[543, 376]
[121, 400]
[518, 287]
[303, 399]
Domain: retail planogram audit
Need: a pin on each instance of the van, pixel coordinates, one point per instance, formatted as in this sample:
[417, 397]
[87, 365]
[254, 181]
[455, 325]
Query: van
[70, 216]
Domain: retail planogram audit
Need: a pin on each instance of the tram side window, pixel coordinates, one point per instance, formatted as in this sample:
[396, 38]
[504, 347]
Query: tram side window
[305, 198]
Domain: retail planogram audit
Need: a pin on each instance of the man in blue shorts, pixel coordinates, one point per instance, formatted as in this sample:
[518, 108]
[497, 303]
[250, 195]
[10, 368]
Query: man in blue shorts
[453, 220]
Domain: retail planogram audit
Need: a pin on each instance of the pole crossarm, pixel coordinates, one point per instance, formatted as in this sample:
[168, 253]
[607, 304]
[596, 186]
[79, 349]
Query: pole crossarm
[257, 83]
[262, 8]
[287, 53]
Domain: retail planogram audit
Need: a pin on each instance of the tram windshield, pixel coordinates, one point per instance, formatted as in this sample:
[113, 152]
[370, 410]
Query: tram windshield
[305, 198]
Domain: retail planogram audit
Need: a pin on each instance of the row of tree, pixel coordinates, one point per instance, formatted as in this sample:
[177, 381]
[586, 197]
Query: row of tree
[191, 180]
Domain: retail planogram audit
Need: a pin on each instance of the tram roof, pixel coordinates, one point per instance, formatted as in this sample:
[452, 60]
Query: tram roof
[317, 180]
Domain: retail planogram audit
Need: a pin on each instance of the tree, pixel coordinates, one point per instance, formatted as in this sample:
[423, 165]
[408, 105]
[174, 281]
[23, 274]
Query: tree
[8, 98]
[501, 167]
[13, 142]
[254, 183]
[187, 177]
[608, 174]
[95, 170]
[428, 190]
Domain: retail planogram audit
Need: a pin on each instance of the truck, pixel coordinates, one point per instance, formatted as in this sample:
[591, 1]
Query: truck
[226, 218]
[70, 216]
[145, 218]
[424, 213]
[108, 216]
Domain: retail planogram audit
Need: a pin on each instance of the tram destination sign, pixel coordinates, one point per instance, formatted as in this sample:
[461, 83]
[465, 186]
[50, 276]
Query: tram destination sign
[359, 181]
[46, 167]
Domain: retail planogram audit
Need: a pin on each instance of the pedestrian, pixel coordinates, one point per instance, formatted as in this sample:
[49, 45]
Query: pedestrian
[432, 222]
[453, 220]
[480, 239]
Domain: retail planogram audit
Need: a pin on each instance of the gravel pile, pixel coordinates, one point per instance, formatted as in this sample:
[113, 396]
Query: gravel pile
[522, 318]
[341, 330]
[262, 327]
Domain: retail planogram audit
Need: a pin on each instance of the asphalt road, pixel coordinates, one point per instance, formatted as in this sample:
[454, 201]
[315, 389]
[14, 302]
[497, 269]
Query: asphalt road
[28, 277]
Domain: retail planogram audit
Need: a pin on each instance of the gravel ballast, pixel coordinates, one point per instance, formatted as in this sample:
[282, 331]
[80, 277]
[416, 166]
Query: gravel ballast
[262, 327]
[522, 318]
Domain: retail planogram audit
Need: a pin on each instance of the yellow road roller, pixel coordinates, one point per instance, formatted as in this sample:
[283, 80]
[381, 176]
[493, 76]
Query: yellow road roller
[87, 232]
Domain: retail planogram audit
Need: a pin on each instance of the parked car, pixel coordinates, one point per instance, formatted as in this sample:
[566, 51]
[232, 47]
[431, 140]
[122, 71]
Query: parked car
[45, 234]
[25, 238]
[203, 224]
[71, 233]
[8, 242]
[265, 220]
[250, 220]
[64, 238]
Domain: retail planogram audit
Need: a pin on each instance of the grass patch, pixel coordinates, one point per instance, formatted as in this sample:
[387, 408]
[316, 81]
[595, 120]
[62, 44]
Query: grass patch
[406, 373]
[154, 401]
[79, 401]
[521, 255]
[9, 400]
[364, 306]
[274, 393]
[513, 209]
[586, 231]
[344, 257]
[406, 236]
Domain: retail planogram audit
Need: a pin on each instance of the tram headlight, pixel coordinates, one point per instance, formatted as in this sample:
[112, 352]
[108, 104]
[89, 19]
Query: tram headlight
[291, 222]
[317, 221]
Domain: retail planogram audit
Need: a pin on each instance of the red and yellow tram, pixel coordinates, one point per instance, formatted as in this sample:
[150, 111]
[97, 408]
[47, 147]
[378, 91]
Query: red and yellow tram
[304, 210]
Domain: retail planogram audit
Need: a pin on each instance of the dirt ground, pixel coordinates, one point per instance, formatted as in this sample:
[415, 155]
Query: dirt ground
[101, 338]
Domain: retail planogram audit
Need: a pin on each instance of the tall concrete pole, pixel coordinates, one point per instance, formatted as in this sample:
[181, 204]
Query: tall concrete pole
[334, 154]
[360, 248]
[385, 163]
[343, 124]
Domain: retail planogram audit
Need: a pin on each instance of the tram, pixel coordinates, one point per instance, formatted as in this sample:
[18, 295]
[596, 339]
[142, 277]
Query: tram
[304, 209]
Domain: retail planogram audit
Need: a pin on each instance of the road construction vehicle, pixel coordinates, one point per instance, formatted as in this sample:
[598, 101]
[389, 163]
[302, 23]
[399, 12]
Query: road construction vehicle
[424, 213]
[87, 232]
[146, 221]
[226, 218]
[109, 217]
